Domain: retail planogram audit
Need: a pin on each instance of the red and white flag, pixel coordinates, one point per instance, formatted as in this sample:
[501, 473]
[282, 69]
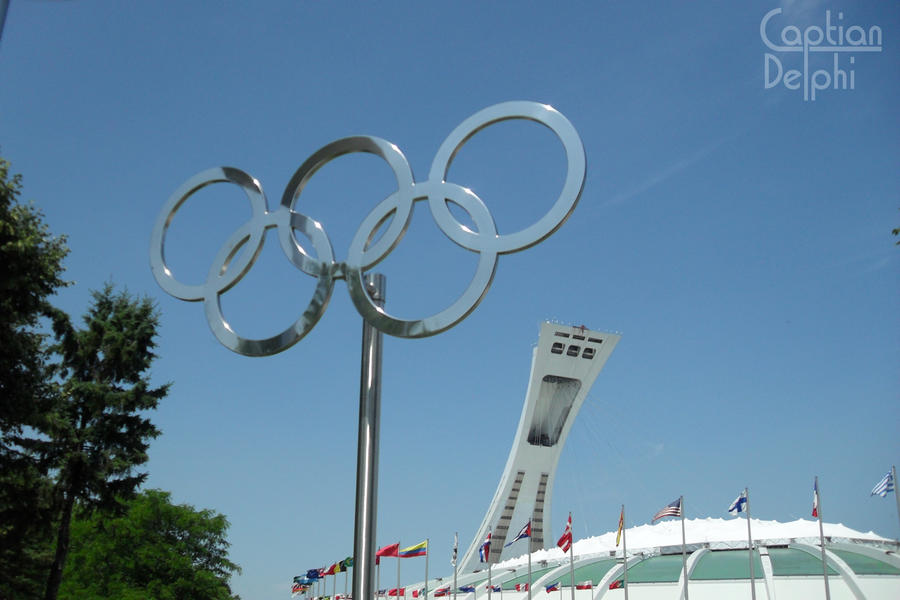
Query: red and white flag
[815, 511]
[565, 542]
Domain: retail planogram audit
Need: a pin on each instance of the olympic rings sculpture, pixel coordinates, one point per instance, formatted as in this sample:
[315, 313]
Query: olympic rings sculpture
[230, 265]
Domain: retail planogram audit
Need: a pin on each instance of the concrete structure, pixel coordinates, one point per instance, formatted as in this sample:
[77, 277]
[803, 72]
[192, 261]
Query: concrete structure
[565, 364]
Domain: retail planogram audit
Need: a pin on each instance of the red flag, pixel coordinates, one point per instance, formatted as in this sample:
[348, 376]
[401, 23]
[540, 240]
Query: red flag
[393, 592]
[585, 585]
[389, 550]
[565, 542]
[331, 569]
[521, 587]
[617, 584]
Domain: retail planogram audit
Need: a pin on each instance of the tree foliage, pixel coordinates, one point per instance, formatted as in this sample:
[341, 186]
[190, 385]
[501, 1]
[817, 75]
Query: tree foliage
[98, 431]
[74, 429]
[157, 549]
[30, 273]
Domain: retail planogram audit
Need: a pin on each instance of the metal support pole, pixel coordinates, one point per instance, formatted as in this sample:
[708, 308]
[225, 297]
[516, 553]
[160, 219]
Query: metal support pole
[367, 450]
[896, 491]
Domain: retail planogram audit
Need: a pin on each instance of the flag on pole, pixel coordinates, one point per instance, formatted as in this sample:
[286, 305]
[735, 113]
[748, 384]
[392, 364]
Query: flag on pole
[484, 551]
[739, 503]
[420, 549]
[617, 584]
[389, 550]
[885, 486]
[493, 588]
[815, 510]
[565, 542]
[455, 549]
[467, 588]
[553, 587]
[444, 591]
[585, 585]
[395, 592]
[621, 526]
[525, 532]
[672, 509]
[521, 587]
[331, 569]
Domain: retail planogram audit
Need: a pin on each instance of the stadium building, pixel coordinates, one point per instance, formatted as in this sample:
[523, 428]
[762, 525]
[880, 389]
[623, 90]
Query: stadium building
[787, 557]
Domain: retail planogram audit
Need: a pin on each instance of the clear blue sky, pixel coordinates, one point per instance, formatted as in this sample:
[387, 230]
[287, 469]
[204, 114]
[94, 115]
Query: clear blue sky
[738, 237]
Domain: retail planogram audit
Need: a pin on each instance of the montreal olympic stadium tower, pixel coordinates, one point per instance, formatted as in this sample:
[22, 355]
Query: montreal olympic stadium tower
[786, 557]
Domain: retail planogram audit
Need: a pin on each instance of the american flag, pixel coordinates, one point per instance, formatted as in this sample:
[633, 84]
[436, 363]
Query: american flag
[672, 509]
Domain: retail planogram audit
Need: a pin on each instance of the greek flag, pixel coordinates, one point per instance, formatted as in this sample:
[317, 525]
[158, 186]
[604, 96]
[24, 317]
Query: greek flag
[739, 504]
[884, 486]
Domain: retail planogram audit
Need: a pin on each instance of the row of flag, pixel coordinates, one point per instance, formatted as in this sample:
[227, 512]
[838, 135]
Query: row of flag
[519, 587]
[672, 509]
[420, 549]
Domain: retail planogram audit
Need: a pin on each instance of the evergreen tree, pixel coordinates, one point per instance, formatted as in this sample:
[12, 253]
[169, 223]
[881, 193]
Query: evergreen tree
[30, 272]
[98, 432]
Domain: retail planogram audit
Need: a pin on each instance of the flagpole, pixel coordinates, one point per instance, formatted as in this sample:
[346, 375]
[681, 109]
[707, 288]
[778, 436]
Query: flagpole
[822, 539]
[571, 560]
[624, 553]
[398, 572]
[750, 547]
[334, 586]
[529, 568]
[490, 583]
[896, 493]
[378, 583]
[455, 548]
[683, 550]
[426, 568]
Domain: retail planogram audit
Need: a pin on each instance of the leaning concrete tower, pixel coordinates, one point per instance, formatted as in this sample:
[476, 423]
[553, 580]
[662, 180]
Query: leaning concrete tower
[566, 362]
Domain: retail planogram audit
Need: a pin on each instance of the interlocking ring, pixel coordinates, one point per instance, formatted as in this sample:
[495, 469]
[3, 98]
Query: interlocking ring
[395, 211]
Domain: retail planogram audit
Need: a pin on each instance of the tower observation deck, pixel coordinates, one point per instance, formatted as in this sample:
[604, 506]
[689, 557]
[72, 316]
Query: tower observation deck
[565, 364]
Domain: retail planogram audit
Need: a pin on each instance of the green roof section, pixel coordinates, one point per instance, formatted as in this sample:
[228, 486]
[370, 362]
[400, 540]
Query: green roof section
[790, 561]
[656, 569]
[592, 572]
[865, 565]
[727, 564]
[535, 575]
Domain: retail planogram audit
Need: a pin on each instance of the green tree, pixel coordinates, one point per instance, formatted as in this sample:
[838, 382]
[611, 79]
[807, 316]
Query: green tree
[30, 273]
[155, 550]
[98, 432]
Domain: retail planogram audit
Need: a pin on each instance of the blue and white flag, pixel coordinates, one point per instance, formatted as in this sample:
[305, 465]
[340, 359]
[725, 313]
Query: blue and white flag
[740, 503]
[884, 486]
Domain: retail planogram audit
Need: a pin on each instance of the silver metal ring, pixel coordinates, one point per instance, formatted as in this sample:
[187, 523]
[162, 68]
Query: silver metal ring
[394, 212]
